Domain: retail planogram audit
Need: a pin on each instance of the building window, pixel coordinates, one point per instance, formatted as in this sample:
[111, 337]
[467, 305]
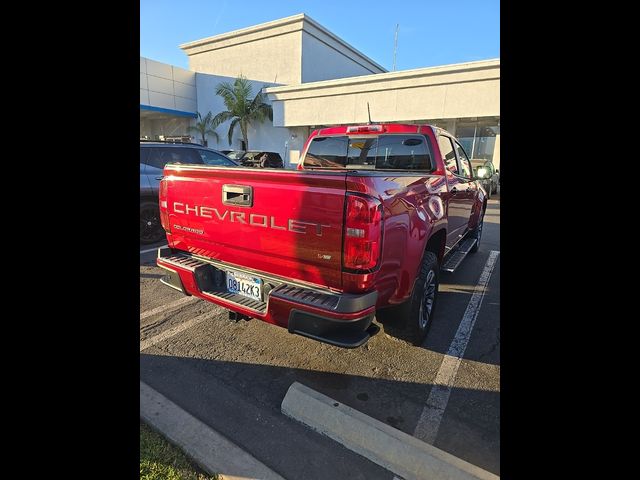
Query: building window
[478, 138]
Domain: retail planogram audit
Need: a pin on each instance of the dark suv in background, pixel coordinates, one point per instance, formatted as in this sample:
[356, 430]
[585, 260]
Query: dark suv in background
[153, 157]
[256, 158]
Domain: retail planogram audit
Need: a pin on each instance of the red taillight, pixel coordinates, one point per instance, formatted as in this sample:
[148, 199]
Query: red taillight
[362, 232]
[164, 213]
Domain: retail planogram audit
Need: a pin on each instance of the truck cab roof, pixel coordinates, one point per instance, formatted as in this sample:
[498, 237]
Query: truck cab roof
[378, 128]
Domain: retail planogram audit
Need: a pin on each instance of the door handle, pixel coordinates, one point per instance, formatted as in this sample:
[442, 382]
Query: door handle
[454, 190]
[159, 178]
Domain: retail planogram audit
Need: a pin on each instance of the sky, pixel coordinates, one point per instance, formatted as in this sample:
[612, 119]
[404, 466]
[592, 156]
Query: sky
[430, 32]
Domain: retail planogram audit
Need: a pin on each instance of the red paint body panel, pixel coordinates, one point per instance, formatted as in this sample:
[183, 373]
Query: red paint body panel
[294, 229]
[271, 244]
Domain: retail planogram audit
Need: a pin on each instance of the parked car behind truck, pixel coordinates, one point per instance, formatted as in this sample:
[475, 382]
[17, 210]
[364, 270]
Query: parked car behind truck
[153, 157]
[255, 158]
[487, 175]
[363, 228]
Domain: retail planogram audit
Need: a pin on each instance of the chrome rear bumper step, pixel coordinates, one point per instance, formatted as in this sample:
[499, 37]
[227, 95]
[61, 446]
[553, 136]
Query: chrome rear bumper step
[211, 281]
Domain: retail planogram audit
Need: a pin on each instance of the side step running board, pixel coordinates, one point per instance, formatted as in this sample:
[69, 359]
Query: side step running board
[459, 255]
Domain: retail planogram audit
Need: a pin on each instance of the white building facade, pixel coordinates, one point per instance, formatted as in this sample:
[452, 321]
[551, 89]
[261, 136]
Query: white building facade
[314, 79]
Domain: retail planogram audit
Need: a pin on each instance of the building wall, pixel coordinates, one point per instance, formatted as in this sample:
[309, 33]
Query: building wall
[496, 153]
[274, 59]
[452, 91]
[325, 61]
[287, 142]
[287, 51]
[269, 52]
[166, 86]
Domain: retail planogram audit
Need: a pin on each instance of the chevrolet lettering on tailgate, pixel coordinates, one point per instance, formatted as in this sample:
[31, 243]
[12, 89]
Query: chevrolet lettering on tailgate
[253, 219]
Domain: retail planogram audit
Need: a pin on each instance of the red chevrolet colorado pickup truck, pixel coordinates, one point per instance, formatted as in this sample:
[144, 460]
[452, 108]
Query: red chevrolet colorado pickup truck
[363, 227]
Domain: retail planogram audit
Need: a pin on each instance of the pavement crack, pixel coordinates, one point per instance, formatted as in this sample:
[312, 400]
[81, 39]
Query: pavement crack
[493, 347]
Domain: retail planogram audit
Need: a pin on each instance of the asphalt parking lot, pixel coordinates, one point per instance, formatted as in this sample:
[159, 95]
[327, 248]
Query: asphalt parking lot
[233, 376]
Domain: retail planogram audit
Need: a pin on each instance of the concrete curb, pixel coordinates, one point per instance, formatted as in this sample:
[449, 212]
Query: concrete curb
[213, 452]
[396, 451]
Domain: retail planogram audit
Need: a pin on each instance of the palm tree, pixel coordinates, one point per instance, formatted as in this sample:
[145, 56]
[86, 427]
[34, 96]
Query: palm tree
[241, 108]
[204, 126]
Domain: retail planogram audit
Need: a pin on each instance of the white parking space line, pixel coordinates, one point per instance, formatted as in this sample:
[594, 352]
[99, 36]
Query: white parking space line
[431, 416]
[168, 306]
[173, 331]
[151, 249]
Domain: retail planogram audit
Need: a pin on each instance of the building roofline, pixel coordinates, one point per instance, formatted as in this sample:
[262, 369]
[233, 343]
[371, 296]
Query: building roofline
[300, 18]
[387, 76]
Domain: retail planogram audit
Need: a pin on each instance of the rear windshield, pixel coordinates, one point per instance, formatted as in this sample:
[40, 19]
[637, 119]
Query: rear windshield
[384, 152]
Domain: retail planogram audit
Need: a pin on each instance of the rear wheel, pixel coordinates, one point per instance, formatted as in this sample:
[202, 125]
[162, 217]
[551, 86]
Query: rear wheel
[415, 316]
[423, 300]
[151, 230]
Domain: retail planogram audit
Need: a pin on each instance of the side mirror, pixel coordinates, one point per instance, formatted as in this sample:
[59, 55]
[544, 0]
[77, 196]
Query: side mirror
[481, 173]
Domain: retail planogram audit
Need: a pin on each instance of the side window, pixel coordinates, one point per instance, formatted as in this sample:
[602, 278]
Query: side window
[159, 157]
[212, 158]
[144, 153]
[183, 155]
[465, 164]
[155, 158]
[448, 154]
[328, 152]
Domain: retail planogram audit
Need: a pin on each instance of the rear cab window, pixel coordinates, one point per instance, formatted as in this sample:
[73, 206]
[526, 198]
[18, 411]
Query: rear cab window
[371, 152]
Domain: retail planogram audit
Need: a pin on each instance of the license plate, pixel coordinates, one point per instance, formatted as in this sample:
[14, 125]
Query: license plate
[245, 285]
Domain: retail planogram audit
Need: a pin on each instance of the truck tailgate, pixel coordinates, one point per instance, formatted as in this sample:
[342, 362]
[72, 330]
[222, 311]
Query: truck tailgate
[282, 222]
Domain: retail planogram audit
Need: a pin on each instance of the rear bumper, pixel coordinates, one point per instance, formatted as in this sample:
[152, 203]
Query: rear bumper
[343, 320]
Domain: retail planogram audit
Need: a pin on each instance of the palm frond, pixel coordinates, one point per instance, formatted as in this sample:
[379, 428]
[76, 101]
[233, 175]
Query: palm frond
[220, 118]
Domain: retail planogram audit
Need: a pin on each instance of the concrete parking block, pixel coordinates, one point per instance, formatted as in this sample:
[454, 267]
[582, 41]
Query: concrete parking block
[389, 447]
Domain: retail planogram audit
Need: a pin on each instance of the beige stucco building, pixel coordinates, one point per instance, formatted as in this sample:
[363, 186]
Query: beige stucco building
[313, 78]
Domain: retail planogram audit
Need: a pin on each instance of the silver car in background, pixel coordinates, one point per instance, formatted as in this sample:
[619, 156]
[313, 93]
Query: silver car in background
[153, 157]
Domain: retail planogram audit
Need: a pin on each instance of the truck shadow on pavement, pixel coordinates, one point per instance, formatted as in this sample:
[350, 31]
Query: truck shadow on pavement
[470, 428]
[484, 344]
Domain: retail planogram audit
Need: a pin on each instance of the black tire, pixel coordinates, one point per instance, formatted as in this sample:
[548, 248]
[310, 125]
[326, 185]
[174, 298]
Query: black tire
[495, 190]
[151, 230]
[423, 300]
[477, 234]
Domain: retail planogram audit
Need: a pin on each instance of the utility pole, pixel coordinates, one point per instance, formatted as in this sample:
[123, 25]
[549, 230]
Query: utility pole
[395, 47]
